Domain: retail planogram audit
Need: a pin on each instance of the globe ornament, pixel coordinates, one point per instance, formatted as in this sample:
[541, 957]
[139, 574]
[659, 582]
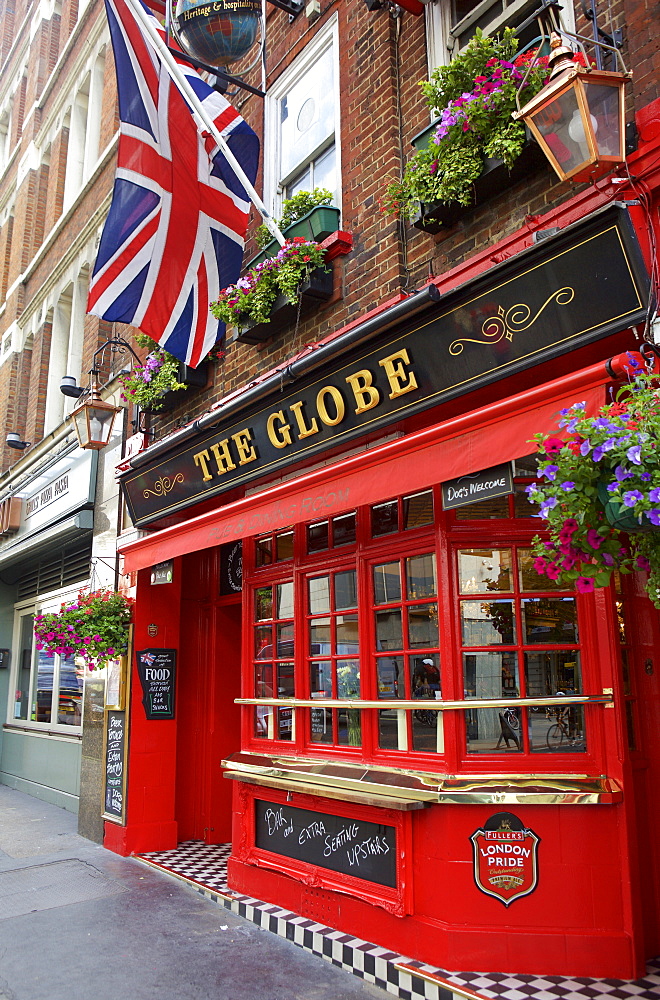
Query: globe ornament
[217, 32]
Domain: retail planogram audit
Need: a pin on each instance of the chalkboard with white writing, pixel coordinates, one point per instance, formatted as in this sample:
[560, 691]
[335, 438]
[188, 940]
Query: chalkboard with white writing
[157, 672]
[115, 765]
[351, 846]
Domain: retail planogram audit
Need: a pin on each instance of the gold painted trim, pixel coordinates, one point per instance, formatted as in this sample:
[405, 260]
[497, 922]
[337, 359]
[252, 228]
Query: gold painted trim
[315, 776]
[430, 977]
[367, 798]
[417, 703]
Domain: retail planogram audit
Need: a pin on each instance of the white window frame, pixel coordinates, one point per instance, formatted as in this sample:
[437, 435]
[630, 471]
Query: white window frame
[39, 605]
[327, 37]
[440, 43]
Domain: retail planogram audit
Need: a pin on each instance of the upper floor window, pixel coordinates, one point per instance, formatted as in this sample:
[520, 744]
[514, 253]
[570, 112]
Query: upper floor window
[452, 25]
[302, 130]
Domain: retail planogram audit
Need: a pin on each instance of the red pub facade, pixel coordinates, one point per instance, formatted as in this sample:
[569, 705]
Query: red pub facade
[403, 731]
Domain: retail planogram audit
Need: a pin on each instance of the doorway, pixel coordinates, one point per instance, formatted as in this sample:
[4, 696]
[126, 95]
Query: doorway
[208, 727]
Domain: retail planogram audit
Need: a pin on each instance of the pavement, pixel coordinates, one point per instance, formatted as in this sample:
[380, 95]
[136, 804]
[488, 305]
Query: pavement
[81, 923]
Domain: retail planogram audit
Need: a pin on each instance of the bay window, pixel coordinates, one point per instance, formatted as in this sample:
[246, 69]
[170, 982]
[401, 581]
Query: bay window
[399, 633]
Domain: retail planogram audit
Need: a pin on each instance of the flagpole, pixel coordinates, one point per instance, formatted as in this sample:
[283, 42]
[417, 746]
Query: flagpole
[192, 99]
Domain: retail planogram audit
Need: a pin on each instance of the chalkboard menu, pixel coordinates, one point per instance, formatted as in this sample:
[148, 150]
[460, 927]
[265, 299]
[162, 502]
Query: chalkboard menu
[351, 846]
[115, 764]
[157, 672]
[231, 568]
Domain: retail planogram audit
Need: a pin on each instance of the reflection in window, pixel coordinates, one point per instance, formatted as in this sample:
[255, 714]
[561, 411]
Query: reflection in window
[484, 570]
[487, 623]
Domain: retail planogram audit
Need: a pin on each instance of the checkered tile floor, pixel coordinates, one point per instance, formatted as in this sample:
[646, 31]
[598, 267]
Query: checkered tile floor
[206, 868]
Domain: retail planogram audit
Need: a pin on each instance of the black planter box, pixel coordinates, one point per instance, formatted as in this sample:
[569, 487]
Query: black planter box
[493, 180]
[192, 378]
[317, 289]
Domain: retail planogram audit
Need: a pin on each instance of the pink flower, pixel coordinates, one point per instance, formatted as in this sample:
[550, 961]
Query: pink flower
[584, 584]
[594, 539]
[643, 564]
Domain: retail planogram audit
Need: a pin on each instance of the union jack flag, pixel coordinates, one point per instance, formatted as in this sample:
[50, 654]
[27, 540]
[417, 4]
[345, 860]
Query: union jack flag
[175, 232]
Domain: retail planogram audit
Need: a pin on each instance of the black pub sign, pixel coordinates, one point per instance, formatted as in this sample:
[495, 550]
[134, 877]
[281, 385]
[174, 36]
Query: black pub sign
[157, 673]
[587, 282]
[485, 485]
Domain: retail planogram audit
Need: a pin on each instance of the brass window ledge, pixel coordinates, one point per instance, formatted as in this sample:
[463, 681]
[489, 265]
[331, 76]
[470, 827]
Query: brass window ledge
[436, 705]
[385, 786]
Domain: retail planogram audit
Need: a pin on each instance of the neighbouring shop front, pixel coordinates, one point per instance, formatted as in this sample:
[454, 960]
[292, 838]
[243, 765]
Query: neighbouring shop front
[47, 522]
[403, 730]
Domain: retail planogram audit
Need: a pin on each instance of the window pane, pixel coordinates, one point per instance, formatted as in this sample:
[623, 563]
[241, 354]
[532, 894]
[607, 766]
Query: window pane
[493, 730]
[385, 518]
[319, 637]
[423, 626]
[263, 604]
[549, 620]
[349, 727]
[319, 595]
[345, 590]
[549, 672]
[263, 722]
[417, 510]
[424, 729]
[420, 576]
[307, 114]
[263, 680]
[490, 675]
[284, 723]
[529, 578]
[325, 170]
[483, 570]
[264, 551]
[387, 583]
[389, 723]
[485, 510]
[344, 527]
[348, 679]
[390, 677]
[424, 676]
[45, 673]
[285, 640]
[285, 680]
[317, 537]
[22, 695]
[388, 630]
[487, 623]
[321, 678]
[284, 546]
[347, 634]
[321, 725]
[263, 642]
[285, 600]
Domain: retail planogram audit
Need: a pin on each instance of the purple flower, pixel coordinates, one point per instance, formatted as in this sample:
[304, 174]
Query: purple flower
[547, 505]
[642, 563]
[568, 485]
[594, 539]
[654, 495]
[585, 447]
[654, 516]
[550, 472]
[631, 497]
[622, 473]
[634, 454]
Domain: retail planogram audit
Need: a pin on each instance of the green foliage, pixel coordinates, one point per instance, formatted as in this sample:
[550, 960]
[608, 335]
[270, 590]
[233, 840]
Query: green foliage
[94, 627]
[603, 467]
[474, 97]
[147, 384]
[253, 295]
[294, 209]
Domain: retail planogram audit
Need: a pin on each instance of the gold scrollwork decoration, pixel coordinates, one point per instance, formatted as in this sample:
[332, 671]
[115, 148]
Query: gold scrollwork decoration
[164, 485]
[513, 320]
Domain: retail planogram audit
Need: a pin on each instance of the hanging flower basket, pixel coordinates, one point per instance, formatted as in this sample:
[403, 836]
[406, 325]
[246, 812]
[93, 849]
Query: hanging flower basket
[94, 627]
[284, 312]
[599, 490]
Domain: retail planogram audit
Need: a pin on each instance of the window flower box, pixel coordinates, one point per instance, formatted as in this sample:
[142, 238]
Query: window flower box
[313, 291]
[495, 178]
[321, 222]
[189, 378]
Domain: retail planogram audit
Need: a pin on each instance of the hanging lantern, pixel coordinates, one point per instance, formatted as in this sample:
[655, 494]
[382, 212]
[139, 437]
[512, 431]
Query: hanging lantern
[218, 32]
[93, 421]
[578, 117]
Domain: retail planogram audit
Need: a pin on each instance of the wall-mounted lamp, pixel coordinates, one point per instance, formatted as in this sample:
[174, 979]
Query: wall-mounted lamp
[93, 419]
[578, 117]
[13, 440]
[68, 387]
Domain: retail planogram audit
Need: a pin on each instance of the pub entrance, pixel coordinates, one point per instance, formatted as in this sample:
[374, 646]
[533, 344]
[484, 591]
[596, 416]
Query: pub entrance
[208, 727]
